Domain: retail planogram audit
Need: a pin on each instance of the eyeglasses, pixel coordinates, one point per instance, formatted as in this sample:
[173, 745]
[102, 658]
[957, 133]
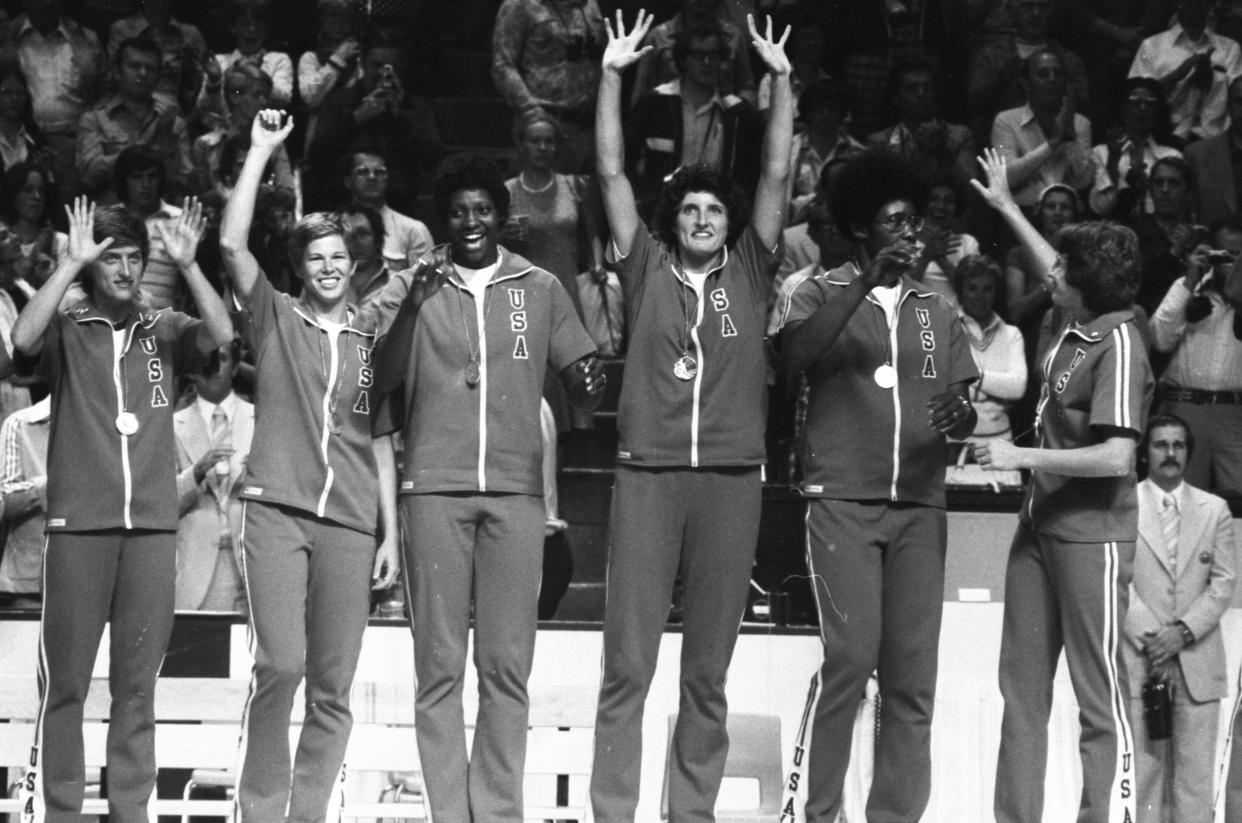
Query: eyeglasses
[367, 171]
[704, 55]
[900, 221]
[1142, 100]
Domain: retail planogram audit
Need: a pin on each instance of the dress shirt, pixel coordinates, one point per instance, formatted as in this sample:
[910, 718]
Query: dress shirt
[1206, 355]
[1103, 197]
[206, 408]
[110, 127]
[703, 128]
[1193, 111]
[1016, 134]
[405, 239]
[63, 70]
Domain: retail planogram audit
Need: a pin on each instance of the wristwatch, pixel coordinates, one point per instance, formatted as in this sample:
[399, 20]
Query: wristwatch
[1187, 635]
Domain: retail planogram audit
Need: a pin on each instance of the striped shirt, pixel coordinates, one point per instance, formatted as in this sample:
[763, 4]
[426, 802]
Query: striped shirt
[1096, 380]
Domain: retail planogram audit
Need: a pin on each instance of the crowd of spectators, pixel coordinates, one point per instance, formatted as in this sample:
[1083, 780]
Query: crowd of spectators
[143, 107]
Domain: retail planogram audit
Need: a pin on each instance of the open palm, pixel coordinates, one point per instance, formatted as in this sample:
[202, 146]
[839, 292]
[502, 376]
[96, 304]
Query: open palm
[623, 48]
[996, 192]
[771, 51]
[181, 239]
[82, 248]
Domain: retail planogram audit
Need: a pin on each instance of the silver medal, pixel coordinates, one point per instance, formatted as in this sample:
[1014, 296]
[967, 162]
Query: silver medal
[127, 423]
[685, 368]
[885, 376]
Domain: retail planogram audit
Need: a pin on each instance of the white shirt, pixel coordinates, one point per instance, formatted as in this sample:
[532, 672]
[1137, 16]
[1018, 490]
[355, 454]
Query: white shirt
[1104, 192]
[406, 240]
[1192, 110]
[207, 409]
[1206, 355]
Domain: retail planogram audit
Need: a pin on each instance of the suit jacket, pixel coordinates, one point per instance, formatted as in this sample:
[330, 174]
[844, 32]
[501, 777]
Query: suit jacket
[198, 536]
[1198, 596]
[1212, 166]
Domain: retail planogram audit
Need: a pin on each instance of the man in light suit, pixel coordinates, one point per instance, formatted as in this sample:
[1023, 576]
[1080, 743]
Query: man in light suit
[1183, 583]
[213, 441]
[1212, 162]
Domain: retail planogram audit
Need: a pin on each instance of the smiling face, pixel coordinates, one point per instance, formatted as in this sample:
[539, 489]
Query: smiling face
[473, 225]
[1167, 453]
[702, 228]
[326, 269]
[942, 204]
[1063, 294]
[116, 276]
[978, 297]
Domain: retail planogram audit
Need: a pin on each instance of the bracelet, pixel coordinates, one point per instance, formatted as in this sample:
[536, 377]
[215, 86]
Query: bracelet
[338, 66]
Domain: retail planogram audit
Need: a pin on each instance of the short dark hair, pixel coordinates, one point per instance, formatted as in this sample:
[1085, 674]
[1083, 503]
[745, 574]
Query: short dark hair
[144, 44]
[869, 181]
[135, 159]
[1179, 164]
[347, 159]
[704, 178]
[1102, 261]
[310, 228]
[1157, 421]
[1040, 51]
[912, 66]
[372, 216]
[125, 228]
[466, 171]
[1162, 126]
[698, 31]
[1230, 222]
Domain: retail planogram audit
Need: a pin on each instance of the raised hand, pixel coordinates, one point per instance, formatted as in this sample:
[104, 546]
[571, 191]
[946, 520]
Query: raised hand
[623, 48]
[996, 193]
[83, 250]
[270, 128]
[181, 240]
[770, 51]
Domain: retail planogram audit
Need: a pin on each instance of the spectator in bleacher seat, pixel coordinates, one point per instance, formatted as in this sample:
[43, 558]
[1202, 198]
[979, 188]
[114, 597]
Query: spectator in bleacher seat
[247, 91]
[20, 138]
[943, 245]
[1217, 164]
[662, 63]
[808, 46]
[65, 68]
[823, 111]
[554, 219]
[182, 50]
[406, 240]
[995, 345]
[333, 60]
[466, 347]
[691, 421]
[999, 76]
[1045, 140]
[921, 135]
[250, 24]
[1167, 233]
[889, 368]
[690, 120]
[1068, 575]
[1026, 288]
[319, 495]
[274, 220]
[139, 181]
[1196, 66]
[1202, 384]
[23, 489]
[213, 436]
[1123, 163]
[130, 117]
[1185, 572]
[364, 237]
[545, 54]
[111, 522]
[28, 204]
[374, 112]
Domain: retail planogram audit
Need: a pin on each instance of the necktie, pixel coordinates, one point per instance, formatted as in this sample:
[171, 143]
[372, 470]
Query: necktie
[219, 437]
[219, 422]
[1170, 525]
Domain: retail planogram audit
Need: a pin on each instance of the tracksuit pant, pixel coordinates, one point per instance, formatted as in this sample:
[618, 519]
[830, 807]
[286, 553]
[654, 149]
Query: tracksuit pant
[878, 575]
[1072, 596]
[126, 579]
[487, 548]
[308, 584]
[705, 524]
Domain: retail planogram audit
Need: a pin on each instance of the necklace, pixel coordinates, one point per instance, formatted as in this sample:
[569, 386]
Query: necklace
[126, 421]
[335, 423]
[540, 190]
[473, 375]
[685, 368]
[885, 375]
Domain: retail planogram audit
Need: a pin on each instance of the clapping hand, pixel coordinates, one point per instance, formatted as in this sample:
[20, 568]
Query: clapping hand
[271, 127]
[83, 250]
[623, 49]
[181, 240]
[996, 193]
[770, 51]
